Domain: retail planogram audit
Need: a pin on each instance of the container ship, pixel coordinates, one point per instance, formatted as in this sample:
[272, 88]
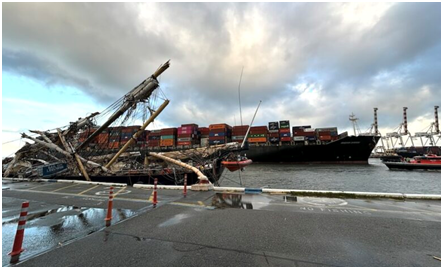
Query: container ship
[274, 143]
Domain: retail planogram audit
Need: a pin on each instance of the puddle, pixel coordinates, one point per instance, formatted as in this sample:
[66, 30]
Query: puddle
[52, 228]
[241, 201]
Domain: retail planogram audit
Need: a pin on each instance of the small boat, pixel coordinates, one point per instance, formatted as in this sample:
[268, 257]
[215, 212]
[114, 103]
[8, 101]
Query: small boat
[427, 162]
[236, 165]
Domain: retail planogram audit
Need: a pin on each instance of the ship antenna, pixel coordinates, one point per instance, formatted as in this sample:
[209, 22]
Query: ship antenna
[239, 100]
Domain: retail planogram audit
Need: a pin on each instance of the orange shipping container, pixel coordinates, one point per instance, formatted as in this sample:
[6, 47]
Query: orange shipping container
[219, 126]
[257, 140]
[167, 142]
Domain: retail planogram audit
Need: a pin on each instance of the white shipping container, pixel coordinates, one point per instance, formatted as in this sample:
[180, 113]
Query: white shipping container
[310, 130]
[299, 138]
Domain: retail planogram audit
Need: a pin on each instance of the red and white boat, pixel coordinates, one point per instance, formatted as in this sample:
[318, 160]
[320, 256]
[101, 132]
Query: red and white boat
[236, 165]
[427, 162]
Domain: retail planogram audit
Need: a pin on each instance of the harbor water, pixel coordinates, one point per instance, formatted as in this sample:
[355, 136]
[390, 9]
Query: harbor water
[372, 177]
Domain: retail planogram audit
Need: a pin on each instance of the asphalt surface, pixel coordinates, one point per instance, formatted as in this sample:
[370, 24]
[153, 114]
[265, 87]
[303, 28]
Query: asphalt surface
[209, 229]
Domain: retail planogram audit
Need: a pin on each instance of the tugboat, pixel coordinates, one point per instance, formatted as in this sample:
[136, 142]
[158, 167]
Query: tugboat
[426, 162]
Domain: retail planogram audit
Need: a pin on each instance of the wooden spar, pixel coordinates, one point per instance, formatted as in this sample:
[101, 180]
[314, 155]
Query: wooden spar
[67, 154]
[200, 175]
[48, 145]
[139, 93]
[134, 137]
[69, 149]
[42, 134]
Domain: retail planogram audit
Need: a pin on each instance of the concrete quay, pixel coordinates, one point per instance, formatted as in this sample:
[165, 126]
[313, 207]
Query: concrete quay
[219, 228]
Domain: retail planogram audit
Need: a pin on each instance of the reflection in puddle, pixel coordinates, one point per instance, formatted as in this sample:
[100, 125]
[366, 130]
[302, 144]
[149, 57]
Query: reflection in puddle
[175, 220]
[229, 200]
[52, 228]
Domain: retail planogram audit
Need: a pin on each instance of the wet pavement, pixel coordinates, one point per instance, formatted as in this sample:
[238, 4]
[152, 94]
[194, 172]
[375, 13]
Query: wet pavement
[217, 229]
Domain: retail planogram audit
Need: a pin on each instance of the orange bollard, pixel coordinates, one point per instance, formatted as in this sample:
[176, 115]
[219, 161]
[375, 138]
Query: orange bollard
[109, 215]
[184, 185]
[18, 241]
[154, 202]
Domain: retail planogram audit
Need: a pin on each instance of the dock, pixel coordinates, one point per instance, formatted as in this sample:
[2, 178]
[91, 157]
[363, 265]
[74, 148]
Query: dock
[222, 227]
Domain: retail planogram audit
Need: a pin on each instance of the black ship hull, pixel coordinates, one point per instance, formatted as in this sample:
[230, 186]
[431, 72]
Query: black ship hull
[348, 150]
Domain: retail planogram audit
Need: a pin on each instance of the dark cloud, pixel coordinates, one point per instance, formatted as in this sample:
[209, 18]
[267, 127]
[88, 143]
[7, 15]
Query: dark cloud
[308, 62]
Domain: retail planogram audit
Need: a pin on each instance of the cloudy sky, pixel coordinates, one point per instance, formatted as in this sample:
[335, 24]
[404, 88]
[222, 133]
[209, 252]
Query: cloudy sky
[310, 63]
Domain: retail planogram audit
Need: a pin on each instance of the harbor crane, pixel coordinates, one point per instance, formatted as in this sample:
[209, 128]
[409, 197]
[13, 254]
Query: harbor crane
[433, 134]
[397, 136]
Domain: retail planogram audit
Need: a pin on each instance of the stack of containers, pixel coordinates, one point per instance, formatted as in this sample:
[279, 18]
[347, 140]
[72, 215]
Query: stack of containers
[258, 134]
[285, 131]
[204, 136]
[154, 137]
[299, 134]
[274, 136]
[102, 139]
[187, 135]
[239, 132]
[168, 137]
[310, 134]
[141, 139]
[219, 134]
[127, 133]
[114, 137]
[325, 134]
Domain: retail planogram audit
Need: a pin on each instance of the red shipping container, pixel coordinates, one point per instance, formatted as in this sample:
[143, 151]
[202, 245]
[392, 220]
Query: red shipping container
[325, 137]
[286, 139]
[274, 135]
[284, 130]
[190, 125]
[322, 133]
[204, 130]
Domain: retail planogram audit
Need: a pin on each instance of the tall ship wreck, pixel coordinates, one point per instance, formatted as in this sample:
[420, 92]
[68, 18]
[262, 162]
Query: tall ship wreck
[117, 151]
[113, 152]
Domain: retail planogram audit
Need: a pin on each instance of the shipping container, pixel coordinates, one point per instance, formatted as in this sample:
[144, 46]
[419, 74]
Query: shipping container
[167, 142]
[274, 139]
[193, 125]
[183, 143]
[330, 129]
[256, 135]
[257, 140]
[217, 141]
[274, 135]
[299, 138]
[219, 126]
[325, 137]
[284, 124]
[285, 130]
[285, 134]
[285, 139]
[273, 125]
[302, 127]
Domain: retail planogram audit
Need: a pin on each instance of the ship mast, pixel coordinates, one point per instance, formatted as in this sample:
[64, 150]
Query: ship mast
[140, 93]
[354, 120]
